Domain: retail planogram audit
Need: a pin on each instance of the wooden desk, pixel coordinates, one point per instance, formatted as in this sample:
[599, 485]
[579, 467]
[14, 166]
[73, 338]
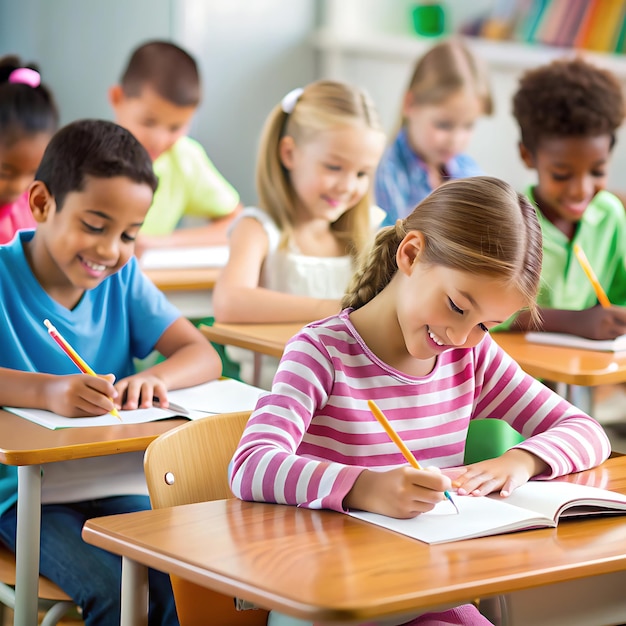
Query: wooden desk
[267, 339]
[189, 290]
[27, 445]
[184, 280]
[571, 366]
[323, 566]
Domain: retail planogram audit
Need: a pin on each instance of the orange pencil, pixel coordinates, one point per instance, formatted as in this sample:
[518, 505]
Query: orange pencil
[393, 435]
[76, 358]
[593, 279]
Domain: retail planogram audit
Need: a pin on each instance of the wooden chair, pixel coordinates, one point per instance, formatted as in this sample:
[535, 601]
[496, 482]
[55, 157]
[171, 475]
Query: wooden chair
[190, 464]
[52, 599]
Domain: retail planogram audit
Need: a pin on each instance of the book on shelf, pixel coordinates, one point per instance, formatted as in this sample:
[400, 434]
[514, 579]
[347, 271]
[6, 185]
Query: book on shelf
[604, 29]
[536, 504]
[571, 23]
[184, 258]
[218, 396]
[573, 341]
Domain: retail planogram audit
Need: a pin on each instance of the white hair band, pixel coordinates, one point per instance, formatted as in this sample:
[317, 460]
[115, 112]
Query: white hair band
[288, 103]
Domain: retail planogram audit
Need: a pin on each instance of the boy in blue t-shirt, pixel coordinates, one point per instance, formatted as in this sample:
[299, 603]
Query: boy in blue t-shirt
[90, 196]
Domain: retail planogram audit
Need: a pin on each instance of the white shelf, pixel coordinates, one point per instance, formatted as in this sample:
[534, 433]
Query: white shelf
[504, 54]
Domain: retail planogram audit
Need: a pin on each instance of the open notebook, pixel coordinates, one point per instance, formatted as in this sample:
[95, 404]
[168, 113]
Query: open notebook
[217, 396]
[184, 258]
[572, 341]
[537, 504]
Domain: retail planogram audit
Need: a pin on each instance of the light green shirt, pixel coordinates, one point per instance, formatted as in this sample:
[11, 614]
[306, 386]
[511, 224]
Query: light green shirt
[189, 184]
[601, 233]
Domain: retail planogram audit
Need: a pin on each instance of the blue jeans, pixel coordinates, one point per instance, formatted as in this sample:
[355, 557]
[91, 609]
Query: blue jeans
[89, 575]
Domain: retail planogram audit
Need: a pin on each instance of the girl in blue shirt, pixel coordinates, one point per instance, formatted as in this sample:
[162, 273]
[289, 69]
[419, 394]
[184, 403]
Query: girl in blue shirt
[448, 91]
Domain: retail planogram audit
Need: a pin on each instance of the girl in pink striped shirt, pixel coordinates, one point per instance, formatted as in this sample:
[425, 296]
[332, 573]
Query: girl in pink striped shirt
[414, 338]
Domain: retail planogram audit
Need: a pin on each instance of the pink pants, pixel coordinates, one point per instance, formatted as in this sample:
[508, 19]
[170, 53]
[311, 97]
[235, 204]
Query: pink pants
[464, 615]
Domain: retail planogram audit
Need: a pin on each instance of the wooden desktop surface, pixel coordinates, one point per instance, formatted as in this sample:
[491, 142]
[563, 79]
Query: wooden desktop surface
[190, 279]
[26, 443]
[267, 339]
[565, 365]
[325, 566]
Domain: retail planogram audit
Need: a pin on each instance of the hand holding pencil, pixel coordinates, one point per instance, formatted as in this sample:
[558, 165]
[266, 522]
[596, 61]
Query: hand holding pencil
[90, 395]
[402, 492]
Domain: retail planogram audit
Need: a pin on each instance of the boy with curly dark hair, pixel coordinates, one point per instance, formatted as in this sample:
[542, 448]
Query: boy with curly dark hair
[568, 112]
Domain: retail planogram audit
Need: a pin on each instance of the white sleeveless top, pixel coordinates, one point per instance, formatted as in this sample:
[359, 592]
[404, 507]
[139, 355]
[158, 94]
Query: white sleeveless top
[287, 270]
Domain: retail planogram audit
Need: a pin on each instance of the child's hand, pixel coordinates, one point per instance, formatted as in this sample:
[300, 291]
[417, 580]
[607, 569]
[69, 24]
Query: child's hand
[402, 492]
[600, 323]
[80, 395]
[139, 391]
[505, 473]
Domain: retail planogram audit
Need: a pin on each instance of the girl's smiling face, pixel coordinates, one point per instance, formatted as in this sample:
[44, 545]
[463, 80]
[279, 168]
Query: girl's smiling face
[90, 237]
[439, 132]
[332, 171]
[19, 161]
[439, 308]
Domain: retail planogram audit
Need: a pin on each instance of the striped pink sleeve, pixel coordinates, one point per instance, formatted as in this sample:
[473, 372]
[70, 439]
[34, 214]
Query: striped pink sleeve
[559, 433]
[266, 467]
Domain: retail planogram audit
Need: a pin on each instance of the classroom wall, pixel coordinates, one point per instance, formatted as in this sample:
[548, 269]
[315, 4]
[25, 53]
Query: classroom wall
[250, 54]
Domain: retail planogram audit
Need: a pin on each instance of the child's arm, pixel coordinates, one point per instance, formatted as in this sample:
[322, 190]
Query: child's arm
[237, 296]
[560, 438]
[214, 233]
[593, 323]
[76, 395]
[190, 360]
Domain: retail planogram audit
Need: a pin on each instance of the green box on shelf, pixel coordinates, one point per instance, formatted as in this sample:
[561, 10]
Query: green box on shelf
[429, 20]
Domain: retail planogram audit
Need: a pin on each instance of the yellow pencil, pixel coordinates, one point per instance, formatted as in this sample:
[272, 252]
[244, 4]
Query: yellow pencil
[74, 356]
[593, 279]
[393, 435]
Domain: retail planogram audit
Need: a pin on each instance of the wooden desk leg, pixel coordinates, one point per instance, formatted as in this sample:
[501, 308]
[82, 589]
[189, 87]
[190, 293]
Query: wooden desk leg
[134, 593]
[27, 548]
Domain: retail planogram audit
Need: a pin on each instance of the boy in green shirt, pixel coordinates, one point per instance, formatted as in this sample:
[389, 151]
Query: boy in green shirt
[568, 112]
[157, 96]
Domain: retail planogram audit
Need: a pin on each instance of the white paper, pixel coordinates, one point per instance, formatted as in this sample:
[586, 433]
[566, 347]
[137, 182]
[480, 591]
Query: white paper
[184, 258]
[534, 504]
[572, 341]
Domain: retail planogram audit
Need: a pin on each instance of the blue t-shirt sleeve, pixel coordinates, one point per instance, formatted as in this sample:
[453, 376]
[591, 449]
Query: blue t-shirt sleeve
[149, 312]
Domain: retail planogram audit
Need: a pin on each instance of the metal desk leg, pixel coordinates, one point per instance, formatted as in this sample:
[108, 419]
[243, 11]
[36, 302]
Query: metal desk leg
[576, 395]
[134, 593]
[27, 548]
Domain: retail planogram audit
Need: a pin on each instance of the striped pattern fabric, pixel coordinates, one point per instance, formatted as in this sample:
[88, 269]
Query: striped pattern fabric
[310, 437]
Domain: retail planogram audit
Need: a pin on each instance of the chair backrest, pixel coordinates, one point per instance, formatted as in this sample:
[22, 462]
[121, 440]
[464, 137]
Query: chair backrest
[190, 464]
[489, 438]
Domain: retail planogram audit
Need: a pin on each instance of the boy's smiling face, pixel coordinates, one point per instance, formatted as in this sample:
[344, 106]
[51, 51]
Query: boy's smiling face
[570, 171]
[91, 237]
[154, 121]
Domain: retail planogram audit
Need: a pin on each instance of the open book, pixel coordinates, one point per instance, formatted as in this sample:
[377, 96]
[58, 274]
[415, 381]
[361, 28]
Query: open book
[217, 396]
[573, 341]
[537, 504]
[184, 258]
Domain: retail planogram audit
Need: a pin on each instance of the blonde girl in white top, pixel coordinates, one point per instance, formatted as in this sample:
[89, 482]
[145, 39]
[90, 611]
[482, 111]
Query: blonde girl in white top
[292, 257]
